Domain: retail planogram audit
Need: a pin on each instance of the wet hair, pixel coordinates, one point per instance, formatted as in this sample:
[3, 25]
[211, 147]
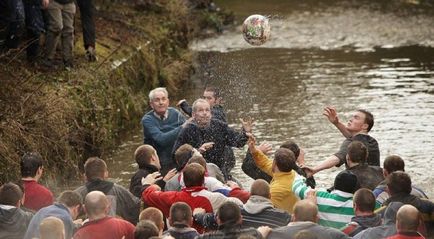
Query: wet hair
[51, 228]
[154, 215]
[10, 194]
[30, 163]
[369, 118]
[398, 182]
[143, 155]
[145, 229]
[95, 168]
[364, 199]
[261, 188]
[291, 145]
[357, 152]
[194, 106]
[229, 213]
[285, 160]
[305, 211]
[305, 234]
[198, 159]
[182, 155]
[69, 198]
[159, 89]
[393, 163]
[214, 90]
[180, 214]
[194, 175]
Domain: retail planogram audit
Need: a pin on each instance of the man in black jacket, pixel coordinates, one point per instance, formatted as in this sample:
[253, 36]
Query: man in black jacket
[211, 136]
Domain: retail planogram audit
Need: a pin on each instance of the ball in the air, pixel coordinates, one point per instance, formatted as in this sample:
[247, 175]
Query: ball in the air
[256, 30]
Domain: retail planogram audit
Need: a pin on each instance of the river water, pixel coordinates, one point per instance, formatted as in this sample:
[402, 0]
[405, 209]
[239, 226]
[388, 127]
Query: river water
[350, 55]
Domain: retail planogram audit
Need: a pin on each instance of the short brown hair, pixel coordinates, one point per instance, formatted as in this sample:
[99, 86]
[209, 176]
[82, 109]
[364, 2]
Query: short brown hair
[357, 152]
[95, 168]
[393, 163]
[194, 175]
[143, 155]
[180, 213]
[364, 199]
[69, 198]
[369, 118]
[198, 159]
[291, 145]
[398, 182]
[10, 194]
[229, 213]
[30, 163]
[285, 160]
[183, 154]
[261, 188]
[152, 214]
[145, 229]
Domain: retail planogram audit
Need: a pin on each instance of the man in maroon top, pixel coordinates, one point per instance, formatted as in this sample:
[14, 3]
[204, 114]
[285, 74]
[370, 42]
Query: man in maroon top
[37, 196]
[100, 225]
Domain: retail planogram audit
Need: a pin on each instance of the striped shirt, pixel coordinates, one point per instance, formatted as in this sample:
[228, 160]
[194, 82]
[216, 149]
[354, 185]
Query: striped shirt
[335, 208]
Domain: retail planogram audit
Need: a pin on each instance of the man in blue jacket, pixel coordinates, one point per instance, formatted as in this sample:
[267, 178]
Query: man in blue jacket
[161, 127]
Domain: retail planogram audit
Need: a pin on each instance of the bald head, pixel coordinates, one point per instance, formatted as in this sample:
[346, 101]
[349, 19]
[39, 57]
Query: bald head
[51, 228]
[407, 218]
[96, 204]
[261, 188]
[305, 210]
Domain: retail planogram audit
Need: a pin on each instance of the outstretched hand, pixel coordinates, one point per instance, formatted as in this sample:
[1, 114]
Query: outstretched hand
[169, 175]
[251, 143]
[265, 148]
[151, 178]
[206, 146]
[247, 125]
[331, 114]
[309, 171]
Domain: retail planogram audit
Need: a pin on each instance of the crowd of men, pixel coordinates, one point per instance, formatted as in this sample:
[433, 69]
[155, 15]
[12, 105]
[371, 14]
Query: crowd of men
[184, 188]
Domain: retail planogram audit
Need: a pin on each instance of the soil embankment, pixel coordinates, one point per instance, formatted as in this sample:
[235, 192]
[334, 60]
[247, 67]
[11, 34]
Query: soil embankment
[69, 116]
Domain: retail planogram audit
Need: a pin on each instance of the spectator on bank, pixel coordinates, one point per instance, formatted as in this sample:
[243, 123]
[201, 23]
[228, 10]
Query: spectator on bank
[11, 24]
[364, 206]
[180, 221]
[161, 127]
[100, 224]
[392, 164]
[60, 29]
[13, 219]
[66, 208]
[305, 217]
[51, 228]
[87, 17]
[154, 215]
[37, 196]
[127, 205]
[35, 27]
[147, 159]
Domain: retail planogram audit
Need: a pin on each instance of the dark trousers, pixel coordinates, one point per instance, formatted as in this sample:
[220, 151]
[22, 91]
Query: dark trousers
[87, 12]
[34, 25]
[11, 22]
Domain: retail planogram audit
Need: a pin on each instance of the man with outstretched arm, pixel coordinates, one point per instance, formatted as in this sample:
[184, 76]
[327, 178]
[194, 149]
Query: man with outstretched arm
[356, 129]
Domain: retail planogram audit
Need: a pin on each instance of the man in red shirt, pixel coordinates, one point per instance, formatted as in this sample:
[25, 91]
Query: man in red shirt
[100, 225]
[407, 223]
[36, 195]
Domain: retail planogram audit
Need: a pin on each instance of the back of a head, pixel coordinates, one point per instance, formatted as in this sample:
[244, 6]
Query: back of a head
[30, 162]
[346, 181]
[407, 218]
[96, 203]
[194, 175]
[369, 118]
[393, 163]
[357, 152]
[364, 199]
[143, 155]
[154, 215]
[229, 213]
[51, 228]
[198, 159]
[183, 154]
[305, 234]
[398, 182]
[95, 168]
[285, 160]
[291, 145]
[69, 198]
[10, 194]
[261, 188]
[180, 214]
[305, 211]
[145, 229]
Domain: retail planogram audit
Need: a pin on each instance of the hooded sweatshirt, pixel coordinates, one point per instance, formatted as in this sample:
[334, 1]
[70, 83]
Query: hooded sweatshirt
[259, 211]
[13, 222]
[360, 223]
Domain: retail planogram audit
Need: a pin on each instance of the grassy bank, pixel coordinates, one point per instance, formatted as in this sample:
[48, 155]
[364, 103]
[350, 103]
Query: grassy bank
[69, 116]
